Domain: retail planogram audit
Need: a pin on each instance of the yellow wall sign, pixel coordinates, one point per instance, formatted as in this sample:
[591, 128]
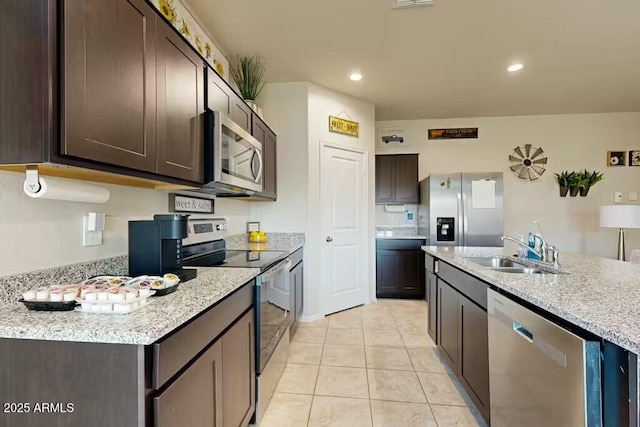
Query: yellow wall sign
[336, 124]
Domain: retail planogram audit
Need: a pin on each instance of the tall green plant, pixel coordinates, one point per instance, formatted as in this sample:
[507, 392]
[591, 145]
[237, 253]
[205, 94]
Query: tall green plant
[248, 72]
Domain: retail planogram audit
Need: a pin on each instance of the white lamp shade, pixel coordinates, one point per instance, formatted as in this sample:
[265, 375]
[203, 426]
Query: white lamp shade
[620, 216]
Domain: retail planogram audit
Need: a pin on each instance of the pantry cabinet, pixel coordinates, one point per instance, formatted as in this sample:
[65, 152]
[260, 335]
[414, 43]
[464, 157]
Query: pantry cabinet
[397, 179]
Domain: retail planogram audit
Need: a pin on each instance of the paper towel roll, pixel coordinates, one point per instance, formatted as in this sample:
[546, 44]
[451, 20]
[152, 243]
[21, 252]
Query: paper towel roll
[68, 190]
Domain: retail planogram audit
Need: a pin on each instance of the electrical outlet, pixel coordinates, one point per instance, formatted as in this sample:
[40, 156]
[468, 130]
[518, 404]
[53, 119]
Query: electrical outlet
[90, 238]
[617, 197]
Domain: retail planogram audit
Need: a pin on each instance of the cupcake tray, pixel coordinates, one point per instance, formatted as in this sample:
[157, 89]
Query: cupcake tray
[48, 305]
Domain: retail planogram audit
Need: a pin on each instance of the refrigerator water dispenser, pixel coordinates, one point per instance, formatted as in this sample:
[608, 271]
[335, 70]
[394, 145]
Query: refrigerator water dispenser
[445, 229]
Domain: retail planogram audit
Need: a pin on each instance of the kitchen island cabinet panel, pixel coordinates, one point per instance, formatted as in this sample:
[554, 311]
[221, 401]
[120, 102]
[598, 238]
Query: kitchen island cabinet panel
[101, 382]
[432, 297]
[448, 327]
[474, 353]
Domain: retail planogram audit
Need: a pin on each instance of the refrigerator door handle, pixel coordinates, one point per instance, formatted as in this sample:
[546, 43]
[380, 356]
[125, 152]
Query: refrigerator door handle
[464, 218]
[460, 239]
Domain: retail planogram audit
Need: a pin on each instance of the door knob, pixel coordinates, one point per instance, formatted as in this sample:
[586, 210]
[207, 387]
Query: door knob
[329, 239]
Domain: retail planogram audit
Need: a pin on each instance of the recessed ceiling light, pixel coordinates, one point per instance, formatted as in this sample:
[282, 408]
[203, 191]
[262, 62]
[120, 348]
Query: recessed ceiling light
[515, 67]
[355, 76]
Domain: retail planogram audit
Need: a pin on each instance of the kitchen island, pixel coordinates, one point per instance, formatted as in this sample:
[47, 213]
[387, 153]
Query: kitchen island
[187, 358]
[592, 297]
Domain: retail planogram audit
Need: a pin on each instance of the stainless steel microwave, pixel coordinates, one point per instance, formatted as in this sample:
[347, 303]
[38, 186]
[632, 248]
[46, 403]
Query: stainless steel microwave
[233, 157]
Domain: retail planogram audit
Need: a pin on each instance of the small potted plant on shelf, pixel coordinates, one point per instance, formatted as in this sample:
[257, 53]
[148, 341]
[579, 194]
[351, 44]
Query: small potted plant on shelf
[563, 182]
[574, 180]
[591, 179]
[247, 72]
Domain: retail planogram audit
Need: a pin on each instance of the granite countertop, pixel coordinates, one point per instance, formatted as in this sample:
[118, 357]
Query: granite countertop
[161, 316]
[401, 236]
[288, 242]
[599, 295]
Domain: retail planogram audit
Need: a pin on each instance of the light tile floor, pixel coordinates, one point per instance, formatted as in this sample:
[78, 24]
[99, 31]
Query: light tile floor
[373, 365]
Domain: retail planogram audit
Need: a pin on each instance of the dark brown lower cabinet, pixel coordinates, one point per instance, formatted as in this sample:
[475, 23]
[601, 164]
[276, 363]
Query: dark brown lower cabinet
[463, 340]
[238, 379]
[194, 399]
[431, 293]
[448, 327]
[473, 367]
[400, 271]
[295, 284]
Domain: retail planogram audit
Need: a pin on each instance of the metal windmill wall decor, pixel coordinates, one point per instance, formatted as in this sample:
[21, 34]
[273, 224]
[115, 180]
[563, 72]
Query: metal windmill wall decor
[528, 162]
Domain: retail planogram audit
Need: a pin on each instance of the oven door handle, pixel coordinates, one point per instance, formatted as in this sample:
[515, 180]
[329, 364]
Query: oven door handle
[284, 265]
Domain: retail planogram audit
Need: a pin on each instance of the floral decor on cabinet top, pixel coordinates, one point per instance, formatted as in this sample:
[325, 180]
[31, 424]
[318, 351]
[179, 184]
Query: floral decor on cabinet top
[175, 12]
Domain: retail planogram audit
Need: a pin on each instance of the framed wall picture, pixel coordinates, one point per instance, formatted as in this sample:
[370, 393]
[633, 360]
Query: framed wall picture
[634, 158]
[616, 158]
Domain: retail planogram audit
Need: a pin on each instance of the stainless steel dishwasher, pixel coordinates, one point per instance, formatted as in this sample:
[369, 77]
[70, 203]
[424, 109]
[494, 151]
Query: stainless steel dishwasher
[539, 373]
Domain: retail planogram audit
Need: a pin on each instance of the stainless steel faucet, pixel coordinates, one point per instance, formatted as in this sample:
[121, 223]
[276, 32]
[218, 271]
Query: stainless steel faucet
[544, 250]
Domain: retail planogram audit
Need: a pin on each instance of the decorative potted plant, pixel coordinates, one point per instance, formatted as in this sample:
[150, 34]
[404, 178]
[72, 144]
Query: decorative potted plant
[563, 182]
[591, 178]
[574, 180]
[247, 72]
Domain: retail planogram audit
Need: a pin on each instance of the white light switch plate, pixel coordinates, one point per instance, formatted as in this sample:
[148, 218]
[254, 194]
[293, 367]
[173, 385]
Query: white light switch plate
[90, 238]
[633, 196]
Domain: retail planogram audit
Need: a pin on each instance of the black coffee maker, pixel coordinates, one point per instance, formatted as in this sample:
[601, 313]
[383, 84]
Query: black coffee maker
[155, 247]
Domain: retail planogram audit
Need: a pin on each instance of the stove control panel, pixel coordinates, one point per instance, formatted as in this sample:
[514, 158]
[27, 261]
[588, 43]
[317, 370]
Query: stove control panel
[205, 230]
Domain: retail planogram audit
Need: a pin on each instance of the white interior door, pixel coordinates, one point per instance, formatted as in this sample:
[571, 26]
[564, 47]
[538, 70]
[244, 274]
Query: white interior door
[343, 192]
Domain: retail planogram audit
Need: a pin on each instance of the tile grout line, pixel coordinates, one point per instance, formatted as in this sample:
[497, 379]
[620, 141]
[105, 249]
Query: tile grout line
[313, 395]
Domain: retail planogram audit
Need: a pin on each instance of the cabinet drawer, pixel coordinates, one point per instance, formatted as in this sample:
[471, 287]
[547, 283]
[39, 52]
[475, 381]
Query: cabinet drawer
[469, 286]
[400, 244]
[173, 352]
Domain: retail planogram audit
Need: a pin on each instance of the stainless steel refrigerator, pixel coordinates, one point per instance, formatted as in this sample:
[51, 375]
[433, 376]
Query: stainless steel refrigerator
[462, 209]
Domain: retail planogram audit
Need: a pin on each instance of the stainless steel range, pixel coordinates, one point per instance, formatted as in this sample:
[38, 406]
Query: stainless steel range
[205, 247]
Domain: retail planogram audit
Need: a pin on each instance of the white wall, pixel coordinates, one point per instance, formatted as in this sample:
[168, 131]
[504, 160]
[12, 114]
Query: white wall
[322, 104]
[286, 112]
[299, 114]
[571, 142]
[38, 233]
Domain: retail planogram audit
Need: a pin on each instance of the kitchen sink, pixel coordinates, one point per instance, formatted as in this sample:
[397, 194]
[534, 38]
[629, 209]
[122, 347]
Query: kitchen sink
[507, 265]
[520, 270]
[497, 262]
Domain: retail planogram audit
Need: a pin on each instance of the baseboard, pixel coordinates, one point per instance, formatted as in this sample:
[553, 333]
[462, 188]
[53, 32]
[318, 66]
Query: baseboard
[305, 319]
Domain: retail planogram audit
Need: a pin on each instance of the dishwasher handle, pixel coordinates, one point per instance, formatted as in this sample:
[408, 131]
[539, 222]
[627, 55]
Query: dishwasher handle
[522, 331]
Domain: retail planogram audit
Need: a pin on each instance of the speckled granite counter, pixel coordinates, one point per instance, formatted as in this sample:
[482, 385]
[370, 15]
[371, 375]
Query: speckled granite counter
[289, 242]
[599, 295]
[145, 326]
[399, 233]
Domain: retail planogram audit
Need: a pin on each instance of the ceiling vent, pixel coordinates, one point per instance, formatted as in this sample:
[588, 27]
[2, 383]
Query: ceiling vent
[402, 4]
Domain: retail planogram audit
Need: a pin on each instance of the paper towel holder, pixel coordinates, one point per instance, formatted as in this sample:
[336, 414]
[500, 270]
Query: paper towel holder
[32, 181]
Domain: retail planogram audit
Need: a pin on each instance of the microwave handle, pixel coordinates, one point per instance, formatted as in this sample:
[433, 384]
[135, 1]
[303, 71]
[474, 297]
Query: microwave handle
[257, 177]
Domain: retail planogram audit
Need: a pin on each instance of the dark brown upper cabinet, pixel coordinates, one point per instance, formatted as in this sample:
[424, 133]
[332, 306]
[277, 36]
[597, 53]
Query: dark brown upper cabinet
[240, 112]
[218, 92]
[269, 168]
[180, 82]
[397, 179]
[109, 73]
